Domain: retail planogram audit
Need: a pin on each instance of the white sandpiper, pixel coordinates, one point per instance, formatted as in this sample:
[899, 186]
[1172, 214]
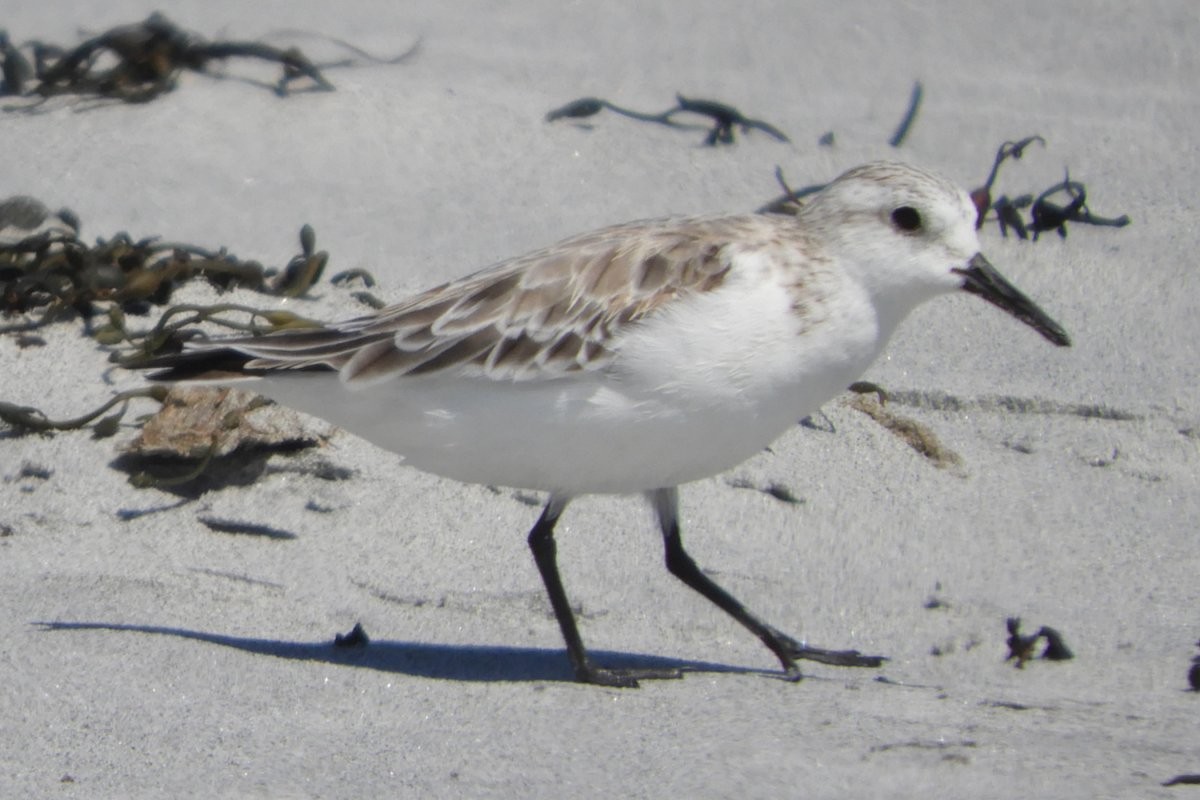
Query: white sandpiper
[635, 358]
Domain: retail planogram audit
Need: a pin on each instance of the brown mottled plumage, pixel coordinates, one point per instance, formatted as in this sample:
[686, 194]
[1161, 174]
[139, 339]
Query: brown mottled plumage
[637, 357]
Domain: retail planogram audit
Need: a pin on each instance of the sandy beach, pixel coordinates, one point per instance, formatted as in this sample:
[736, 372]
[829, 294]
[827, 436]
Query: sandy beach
[161, 643]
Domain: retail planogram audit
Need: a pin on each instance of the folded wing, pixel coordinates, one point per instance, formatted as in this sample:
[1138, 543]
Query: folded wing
[549, 313]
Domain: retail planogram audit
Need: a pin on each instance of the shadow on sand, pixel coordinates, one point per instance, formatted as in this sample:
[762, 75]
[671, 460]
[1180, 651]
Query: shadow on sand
[421, 659]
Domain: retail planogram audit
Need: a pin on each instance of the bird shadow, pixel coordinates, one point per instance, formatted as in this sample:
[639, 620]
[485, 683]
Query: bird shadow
[456, 662]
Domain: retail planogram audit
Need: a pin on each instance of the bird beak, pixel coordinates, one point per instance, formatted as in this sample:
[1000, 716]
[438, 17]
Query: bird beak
[981, 278]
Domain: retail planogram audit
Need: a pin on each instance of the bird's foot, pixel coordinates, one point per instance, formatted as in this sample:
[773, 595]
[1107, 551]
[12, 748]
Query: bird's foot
[836, 658]
[624, 678]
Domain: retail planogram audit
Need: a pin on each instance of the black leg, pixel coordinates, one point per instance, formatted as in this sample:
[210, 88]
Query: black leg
[541, 542]
[785, 648]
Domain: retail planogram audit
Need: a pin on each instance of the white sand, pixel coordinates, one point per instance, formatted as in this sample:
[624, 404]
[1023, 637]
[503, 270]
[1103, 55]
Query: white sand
[224, 683]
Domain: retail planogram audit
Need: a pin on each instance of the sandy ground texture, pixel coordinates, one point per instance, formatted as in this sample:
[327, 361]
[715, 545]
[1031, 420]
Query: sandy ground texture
[147, 652]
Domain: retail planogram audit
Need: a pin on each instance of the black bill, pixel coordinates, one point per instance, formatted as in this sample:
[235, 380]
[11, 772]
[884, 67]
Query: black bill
[981, 278]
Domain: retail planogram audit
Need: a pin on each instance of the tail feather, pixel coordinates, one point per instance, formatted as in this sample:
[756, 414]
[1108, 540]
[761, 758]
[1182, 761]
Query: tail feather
[208, 365]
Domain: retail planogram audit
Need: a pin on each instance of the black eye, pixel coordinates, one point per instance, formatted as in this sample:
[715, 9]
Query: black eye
[906, 218]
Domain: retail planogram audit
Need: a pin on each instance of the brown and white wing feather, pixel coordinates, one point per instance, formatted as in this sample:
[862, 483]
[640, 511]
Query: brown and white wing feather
[546, 314]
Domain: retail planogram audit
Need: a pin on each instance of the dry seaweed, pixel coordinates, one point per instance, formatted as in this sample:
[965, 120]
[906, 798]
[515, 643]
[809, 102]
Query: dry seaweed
[31, 419]
[1021, 647]
[47, 269]
[1047, 215]
[1050, 210]
[917, 436]
[725, 117]
[137, 62]
[982, 197]
[1045, 211]
[910, 116]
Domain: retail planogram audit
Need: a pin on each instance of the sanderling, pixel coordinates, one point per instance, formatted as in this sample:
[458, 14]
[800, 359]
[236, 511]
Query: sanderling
[636, 358]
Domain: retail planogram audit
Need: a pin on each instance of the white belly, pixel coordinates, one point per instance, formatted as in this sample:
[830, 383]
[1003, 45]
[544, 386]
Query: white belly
[669, 410]
[574, 437]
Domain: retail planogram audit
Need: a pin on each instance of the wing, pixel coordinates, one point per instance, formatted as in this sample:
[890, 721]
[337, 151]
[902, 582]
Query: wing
[549, 313]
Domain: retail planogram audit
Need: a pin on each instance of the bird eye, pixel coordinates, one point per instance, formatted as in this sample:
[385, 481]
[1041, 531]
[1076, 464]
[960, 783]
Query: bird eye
[906, 218]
